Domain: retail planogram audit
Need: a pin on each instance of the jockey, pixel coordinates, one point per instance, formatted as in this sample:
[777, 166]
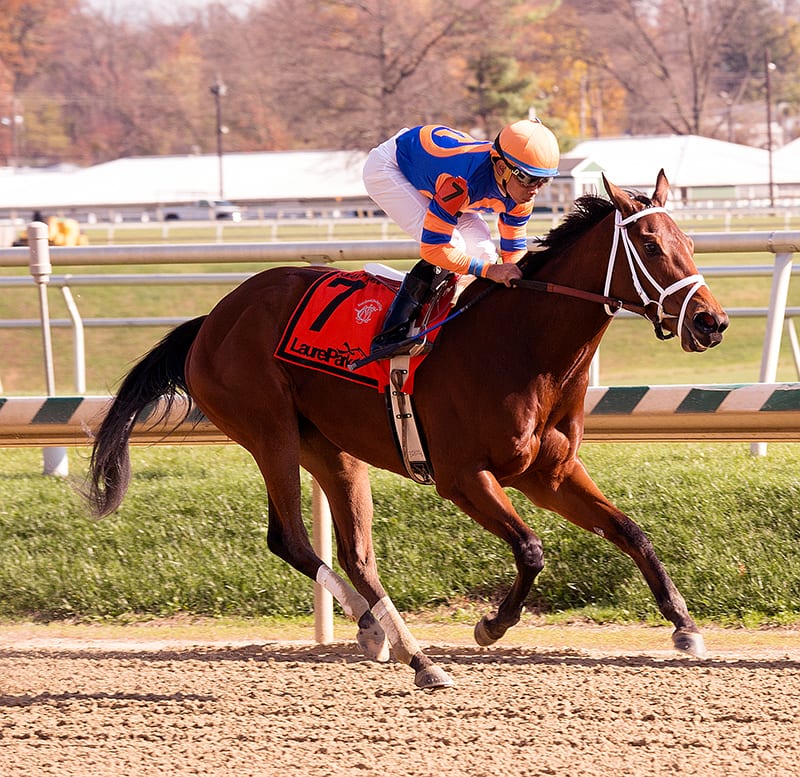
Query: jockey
[434, 182]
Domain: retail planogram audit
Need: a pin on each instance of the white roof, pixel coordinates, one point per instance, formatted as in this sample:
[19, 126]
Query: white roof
[787, 155]
[688, 160]
[282, 175]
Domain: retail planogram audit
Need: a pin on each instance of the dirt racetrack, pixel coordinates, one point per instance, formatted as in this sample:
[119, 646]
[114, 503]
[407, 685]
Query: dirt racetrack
[563, 702]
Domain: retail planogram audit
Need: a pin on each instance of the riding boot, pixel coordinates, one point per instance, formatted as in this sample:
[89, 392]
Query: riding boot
[412, 295]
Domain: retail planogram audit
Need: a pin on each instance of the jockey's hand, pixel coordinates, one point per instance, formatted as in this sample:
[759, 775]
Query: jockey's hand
[504, 273]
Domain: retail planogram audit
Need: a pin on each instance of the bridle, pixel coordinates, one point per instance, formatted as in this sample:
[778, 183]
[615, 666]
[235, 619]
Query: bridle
[651, 309]
[637, 266]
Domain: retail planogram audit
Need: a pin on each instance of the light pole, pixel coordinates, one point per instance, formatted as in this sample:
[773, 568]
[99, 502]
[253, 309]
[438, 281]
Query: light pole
[728, 113]
[768, 67]
[15, 122]
[219, 90]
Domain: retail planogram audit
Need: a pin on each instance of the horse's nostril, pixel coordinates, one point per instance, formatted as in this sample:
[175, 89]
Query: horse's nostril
[706, 323]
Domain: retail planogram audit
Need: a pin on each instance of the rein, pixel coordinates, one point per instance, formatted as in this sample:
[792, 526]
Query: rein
[568, 291]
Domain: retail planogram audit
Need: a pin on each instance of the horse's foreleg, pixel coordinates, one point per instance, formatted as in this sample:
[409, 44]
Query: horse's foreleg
[482, 498]
[578, 499]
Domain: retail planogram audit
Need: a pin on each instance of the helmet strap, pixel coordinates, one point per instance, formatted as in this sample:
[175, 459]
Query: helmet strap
[502, 181]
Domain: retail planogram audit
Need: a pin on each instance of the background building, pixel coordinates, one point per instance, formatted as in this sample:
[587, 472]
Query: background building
[295, 184]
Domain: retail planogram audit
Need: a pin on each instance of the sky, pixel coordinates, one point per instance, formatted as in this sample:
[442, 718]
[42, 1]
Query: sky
[134, 9]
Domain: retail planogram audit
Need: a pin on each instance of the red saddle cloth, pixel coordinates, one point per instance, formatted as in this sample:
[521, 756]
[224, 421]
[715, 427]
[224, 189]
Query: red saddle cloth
[333, 325]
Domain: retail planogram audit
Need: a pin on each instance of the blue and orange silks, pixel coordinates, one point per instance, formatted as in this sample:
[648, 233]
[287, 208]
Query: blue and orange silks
[455, 171]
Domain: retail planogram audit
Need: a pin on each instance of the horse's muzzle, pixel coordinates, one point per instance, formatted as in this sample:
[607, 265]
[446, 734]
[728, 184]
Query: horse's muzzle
[704, 330]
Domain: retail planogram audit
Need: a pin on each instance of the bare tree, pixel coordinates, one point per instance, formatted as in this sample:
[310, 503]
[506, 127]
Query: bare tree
[30, 30]
[348, 73]
[674, 58]
[355, 71]
[126, 90]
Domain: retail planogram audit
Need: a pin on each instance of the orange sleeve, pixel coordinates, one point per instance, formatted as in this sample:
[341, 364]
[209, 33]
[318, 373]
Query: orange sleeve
[446, 256]
[513, 229]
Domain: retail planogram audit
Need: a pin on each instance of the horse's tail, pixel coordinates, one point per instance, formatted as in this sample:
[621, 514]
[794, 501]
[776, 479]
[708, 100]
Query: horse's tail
[161, 373]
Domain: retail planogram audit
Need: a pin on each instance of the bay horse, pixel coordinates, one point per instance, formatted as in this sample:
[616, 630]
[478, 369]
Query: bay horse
[500, 400]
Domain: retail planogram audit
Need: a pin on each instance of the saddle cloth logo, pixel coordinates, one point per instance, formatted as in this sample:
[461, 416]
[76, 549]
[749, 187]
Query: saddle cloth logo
[334, 323]
[367, 309]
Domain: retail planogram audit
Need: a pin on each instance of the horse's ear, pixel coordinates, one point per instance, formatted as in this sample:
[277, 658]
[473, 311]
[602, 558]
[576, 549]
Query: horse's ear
[662, 189]
[619, 197]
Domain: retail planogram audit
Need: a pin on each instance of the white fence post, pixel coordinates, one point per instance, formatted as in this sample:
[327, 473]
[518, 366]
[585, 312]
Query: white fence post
[776, 313]
[321, 536]
[55, 459]
[79, 341]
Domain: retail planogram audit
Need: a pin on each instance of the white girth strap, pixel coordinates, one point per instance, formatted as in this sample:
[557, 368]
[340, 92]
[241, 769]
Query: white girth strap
[636, 266]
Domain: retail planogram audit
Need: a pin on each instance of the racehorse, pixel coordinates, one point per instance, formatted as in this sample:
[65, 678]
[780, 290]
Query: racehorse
[500, 400]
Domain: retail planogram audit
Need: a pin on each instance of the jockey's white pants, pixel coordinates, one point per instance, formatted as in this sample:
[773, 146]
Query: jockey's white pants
[406, 206]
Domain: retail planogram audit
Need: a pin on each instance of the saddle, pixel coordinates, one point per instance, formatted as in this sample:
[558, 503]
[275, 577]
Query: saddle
[333, 325]
[331, 330]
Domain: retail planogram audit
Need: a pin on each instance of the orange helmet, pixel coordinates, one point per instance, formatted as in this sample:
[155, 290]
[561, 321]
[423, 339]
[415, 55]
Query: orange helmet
[528, 147]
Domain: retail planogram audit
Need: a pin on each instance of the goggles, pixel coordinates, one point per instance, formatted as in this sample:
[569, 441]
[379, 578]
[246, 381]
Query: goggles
[528, 180]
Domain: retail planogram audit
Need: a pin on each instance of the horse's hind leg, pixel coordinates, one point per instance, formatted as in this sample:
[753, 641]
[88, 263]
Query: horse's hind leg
[345, 481]
[580, 501]
[277, 454]
[266, 424]
[288, 539]
[300, 555]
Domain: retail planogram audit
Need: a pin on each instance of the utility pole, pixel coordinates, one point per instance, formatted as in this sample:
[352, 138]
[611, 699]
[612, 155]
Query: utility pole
[219, 90]
[768, 67]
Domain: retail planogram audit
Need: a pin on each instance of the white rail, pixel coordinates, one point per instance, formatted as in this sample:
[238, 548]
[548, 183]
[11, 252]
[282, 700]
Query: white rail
[781, 244]
[750, 411]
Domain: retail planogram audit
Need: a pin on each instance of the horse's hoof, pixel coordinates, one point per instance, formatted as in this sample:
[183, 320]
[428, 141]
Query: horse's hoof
[690, 642]
[371, 638]
[433, 677]
[482, 635]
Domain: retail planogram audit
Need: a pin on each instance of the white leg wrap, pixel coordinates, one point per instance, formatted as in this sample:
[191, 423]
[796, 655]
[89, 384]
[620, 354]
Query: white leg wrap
[404, 645]
[353, 603]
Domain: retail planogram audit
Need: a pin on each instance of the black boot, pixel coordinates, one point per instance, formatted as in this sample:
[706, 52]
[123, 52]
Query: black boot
[410, 298]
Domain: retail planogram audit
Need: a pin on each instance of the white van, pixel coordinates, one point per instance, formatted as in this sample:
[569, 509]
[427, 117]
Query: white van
[203, 210]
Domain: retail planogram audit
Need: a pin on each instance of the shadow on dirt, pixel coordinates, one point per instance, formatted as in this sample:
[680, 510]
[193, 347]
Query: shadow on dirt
[339, 653]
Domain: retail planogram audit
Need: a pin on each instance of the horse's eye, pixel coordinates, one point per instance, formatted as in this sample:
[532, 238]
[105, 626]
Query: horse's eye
[651, 249]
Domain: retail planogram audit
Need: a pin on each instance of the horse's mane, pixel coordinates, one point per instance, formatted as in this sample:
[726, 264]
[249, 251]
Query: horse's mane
[587, 211]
